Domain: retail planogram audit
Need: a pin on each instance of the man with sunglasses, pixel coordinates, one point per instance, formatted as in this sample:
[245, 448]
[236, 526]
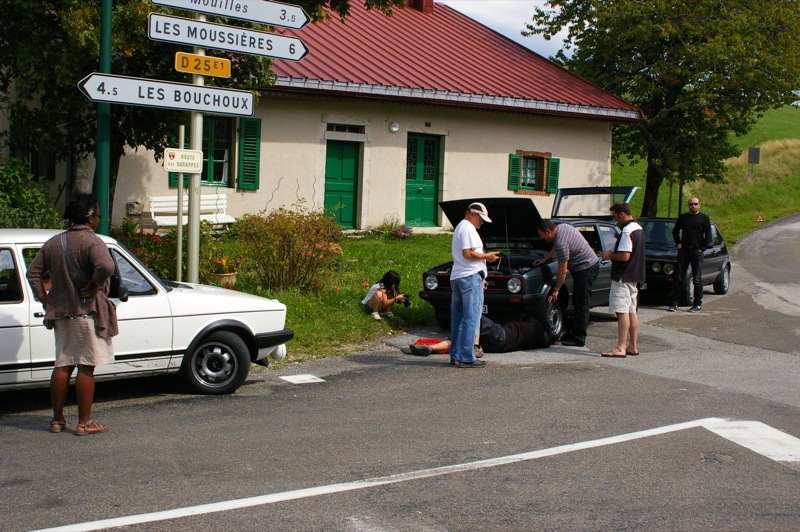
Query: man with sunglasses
[692, 235]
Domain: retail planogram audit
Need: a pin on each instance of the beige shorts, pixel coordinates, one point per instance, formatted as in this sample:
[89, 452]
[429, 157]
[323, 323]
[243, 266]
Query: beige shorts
[77, 344]
[623, 298]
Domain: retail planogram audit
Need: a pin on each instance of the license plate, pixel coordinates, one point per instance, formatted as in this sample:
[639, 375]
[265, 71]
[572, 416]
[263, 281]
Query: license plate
[486, 309]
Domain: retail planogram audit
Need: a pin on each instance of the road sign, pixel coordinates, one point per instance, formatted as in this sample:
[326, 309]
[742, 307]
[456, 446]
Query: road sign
[207, 35]
[272, 13]
[218, 67]
[166, 94]
[185, 161]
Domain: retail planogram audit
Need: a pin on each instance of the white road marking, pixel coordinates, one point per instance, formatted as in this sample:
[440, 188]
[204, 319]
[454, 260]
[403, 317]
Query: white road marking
[305, 378]
[755, 436]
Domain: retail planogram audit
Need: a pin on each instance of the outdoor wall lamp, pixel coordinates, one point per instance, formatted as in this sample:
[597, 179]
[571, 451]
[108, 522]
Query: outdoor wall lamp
[394, 127]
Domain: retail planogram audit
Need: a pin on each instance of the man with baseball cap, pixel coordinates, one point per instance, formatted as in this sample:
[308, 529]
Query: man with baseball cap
[467, 282]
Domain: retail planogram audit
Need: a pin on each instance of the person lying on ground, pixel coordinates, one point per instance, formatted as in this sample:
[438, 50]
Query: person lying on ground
[522, 335]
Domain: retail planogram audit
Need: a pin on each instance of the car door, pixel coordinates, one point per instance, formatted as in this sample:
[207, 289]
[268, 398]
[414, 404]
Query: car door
[593, 235]
[15, 317]
[713, 257]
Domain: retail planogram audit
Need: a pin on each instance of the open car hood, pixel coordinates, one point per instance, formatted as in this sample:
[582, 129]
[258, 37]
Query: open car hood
[512, 218]
[593, 202]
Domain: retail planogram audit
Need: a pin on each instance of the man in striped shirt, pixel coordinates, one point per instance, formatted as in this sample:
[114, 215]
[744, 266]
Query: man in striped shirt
[575, 255]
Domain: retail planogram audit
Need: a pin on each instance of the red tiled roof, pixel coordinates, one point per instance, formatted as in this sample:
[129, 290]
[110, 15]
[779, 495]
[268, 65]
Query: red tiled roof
[443, 57]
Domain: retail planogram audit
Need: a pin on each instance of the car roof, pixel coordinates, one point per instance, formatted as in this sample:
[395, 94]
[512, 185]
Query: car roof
[34, 236]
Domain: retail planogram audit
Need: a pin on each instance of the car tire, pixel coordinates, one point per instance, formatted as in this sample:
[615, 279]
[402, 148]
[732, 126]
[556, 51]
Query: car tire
[723, 282]
[552, 317]
[687, 291]
[218, 364]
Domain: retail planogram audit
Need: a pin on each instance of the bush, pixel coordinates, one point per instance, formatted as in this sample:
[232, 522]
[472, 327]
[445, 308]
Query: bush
[23, 200]
[290, 249]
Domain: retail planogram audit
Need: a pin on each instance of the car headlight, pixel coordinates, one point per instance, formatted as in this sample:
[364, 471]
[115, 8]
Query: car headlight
[431, 282]
[514, 285]
[669, 269]
[656, 267]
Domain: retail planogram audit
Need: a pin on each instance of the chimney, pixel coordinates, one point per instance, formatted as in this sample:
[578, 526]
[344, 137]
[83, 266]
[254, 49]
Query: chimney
[426, 6]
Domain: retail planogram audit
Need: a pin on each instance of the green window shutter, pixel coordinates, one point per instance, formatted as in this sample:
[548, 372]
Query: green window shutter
[173, 176]
[514, 171]
[249, 153]
[553, 167]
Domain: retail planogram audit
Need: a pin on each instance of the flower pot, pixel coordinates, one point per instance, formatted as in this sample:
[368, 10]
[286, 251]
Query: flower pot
[225, 279]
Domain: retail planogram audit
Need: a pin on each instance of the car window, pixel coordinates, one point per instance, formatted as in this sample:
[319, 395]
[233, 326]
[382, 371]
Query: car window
[589, 232]
[136, 283]
[716, 237]
[10, 284]
[609, 237]
[658, 231]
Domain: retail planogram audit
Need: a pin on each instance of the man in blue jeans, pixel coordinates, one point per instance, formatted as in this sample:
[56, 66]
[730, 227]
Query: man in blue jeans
[692, 235]
[466, 282]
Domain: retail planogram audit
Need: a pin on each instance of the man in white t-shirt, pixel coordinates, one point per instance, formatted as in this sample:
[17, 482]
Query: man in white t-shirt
[466, 282]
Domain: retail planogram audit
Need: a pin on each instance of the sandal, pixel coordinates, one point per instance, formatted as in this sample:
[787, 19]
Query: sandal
[58, 426]
[91, 427]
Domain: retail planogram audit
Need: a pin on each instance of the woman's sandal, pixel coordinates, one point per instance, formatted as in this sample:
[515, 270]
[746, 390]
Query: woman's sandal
[91, 427]
[58, 426]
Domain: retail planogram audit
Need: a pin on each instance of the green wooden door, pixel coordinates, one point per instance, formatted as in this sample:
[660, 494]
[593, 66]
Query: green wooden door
[422, 175]
[341, 181]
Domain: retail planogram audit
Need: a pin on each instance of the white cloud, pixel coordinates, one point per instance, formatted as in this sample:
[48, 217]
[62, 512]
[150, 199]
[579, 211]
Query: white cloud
[507, 17]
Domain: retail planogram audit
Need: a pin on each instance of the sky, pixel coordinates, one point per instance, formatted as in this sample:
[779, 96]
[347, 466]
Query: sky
[507, 17]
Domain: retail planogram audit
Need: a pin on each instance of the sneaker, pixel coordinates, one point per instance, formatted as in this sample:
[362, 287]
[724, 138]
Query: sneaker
[453, 362]
[477, 351]
[672, 308]
[572, 341]
[389, 315]
[695, 308]
[476, 364]
[376, 316]
[420, 350]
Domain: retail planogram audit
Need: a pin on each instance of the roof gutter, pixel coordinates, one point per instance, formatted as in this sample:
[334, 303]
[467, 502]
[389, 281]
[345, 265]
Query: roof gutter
[367, 89]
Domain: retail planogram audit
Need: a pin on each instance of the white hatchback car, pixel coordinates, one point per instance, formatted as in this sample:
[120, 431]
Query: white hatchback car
[208, 334]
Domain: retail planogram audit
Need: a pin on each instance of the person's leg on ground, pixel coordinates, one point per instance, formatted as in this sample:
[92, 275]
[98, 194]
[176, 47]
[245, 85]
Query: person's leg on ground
[633, 332]
[84, 388]
[680, 274]
[623, 326]
[696, 260]
[583, 282]
[59, 386]
[456, 317]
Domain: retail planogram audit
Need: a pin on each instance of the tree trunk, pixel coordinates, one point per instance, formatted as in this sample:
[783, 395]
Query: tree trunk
[652, 185]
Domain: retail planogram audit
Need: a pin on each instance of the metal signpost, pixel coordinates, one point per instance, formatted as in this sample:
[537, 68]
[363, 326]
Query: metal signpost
[220, 37]
[272, 13]
[166, 94]
[196, 97]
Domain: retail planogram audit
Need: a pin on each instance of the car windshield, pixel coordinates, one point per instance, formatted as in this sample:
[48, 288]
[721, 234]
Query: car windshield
[658, 232]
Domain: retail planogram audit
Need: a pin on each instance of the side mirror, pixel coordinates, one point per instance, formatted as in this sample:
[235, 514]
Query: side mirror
[123, 293]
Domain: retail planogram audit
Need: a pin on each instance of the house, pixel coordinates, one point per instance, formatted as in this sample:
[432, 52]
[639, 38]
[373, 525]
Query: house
[386, 116]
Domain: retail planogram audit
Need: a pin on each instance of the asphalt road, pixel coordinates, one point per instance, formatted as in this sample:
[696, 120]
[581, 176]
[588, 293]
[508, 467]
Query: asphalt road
[699, 432]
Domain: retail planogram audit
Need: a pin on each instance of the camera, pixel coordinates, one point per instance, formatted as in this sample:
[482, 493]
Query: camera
[407, 301]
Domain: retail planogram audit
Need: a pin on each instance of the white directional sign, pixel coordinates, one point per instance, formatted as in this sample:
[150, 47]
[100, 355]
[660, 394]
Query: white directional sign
[186, 161]
[166, 94]
[218, 36]
[272, 13]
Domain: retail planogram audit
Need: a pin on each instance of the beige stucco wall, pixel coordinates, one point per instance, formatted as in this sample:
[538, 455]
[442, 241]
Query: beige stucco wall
[475, 148]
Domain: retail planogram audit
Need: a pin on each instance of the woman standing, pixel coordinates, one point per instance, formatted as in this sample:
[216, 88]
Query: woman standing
[84, 319]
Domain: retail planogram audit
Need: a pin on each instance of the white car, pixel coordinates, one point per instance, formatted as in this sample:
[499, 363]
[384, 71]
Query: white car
[208, 334]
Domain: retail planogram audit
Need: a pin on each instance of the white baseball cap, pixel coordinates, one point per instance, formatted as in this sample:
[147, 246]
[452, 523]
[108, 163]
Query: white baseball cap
[480, 209]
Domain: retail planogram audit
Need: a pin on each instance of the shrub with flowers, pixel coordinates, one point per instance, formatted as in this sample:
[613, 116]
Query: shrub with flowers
[402, 232]
[224, 264]
[290, 248]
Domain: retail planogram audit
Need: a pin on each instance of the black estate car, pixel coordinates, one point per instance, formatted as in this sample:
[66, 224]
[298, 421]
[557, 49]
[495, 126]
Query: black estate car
[515, 286]
[661, 257]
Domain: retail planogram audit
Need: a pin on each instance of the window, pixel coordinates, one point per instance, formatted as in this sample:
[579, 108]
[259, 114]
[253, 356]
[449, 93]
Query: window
[10, 289]
[344, 128]
[218, 154]
[533, 171]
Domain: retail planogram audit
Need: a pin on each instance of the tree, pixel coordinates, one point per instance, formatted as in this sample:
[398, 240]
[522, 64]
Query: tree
[48, 46]
[700, 70]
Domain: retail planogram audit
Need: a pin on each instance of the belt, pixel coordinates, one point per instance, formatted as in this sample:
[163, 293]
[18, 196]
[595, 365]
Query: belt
[78, 316]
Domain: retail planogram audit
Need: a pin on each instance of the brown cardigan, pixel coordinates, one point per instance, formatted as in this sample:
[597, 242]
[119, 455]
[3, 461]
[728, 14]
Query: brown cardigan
[91, 256]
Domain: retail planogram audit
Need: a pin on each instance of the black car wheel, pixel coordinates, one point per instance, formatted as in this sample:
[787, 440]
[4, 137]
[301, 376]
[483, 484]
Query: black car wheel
[219, 364]
[552, 317]
[723, 282]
